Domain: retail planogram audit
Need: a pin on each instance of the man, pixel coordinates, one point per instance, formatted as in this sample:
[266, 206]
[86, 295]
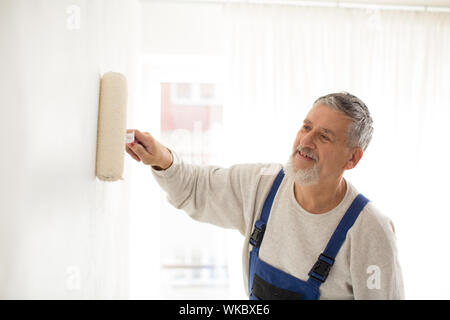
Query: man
[309, 234]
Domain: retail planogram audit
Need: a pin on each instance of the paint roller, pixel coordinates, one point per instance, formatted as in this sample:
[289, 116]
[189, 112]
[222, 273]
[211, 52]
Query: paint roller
[111, 127]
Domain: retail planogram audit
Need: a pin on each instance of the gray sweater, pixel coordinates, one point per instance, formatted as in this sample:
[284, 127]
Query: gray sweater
[366, 266]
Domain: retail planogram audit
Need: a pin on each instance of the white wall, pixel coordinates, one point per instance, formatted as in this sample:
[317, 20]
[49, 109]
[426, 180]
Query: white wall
[63, 233]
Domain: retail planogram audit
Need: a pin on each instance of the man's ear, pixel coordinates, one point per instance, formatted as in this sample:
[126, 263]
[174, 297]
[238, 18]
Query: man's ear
[355, 156]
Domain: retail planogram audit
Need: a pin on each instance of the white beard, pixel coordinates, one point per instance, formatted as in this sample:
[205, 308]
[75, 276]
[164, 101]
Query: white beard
[303, 177]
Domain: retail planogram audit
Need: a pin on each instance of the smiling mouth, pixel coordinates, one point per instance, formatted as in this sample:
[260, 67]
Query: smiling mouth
[304, 156]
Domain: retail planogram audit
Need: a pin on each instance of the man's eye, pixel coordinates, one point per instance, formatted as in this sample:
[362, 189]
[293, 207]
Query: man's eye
[325, 137]
[306, 127]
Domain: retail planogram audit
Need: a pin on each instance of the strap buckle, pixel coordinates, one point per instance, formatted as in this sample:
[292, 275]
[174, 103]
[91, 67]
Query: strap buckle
[321, 268]
[257, 235]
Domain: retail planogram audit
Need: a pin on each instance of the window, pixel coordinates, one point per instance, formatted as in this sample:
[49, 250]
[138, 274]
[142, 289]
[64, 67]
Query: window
[195, 94]
[182, 97]
[192, 260]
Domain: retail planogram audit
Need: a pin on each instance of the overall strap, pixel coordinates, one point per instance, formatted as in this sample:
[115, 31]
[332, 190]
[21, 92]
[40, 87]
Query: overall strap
[260, 224]
[322, 267]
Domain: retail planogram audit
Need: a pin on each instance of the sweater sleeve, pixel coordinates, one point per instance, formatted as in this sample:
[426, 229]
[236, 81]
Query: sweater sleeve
[374, 264]
[211, 194]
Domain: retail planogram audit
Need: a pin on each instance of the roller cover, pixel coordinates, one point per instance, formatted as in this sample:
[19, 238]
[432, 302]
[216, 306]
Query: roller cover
[111, 129]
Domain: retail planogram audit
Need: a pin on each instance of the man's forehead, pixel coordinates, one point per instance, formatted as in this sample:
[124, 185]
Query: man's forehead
[327, 119]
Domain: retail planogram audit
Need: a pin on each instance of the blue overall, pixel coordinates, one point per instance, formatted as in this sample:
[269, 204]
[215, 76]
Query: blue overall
[269, 283]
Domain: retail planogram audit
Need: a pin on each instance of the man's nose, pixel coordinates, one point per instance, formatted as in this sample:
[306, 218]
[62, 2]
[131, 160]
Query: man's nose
[307, 140]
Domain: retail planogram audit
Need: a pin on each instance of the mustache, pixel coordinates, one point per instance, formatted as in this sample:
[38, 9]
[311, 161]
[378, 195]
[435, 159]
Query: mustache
[307, 151]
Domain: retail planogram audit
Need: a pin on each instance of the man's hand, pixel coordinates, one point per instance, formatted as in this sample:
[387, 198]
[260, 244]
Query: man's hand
[149, 150]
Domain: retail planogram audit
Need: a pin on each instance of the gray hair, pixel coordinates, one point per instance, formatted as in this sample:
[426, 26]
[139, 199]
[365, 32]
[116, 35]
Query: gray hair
[360, 131]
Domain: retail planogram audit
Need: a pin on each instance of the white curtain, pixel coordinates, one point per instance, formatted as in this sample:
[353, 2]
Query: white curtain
[281, 58]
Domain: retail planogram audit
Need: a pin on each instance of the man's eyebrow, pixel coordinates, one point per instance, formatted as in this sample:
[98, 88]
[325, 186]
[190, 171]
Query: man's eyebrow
[327, 131]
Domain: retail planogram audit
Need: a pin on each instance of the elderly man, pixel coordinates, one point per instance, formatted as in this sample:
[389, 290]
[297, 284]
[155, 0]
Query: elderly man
[309, 234]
